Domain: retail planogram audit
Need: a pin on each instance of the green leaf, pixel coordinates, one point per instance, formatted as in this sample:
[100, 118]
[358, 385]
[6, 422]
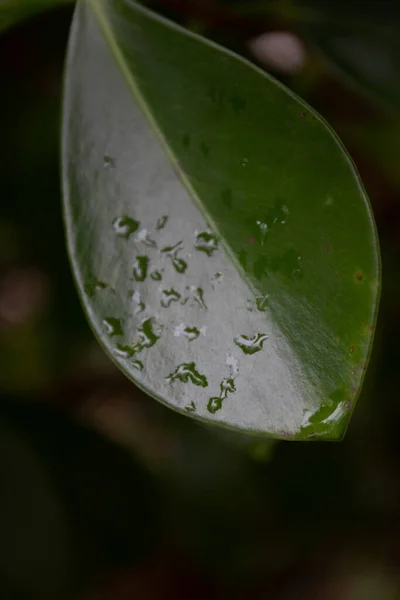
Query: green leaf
[13, 11]
[220, 237]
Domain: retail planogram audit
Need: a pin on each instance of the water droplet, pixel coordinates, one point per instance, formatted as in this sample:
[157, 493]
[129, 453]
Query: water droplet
[112, 326]
[190, 407]
[140, 267]
[168, 296]
[144, 237]
[199, 298]
[207, 242]
[94, 286]
[277, 214]
[216, 279]
[205, 149]
[214, 404]
[328, 201]
[172, 252]
[108, 162]
[138, 365]
[124, 351]
[227, 386]
[263, 231]
[251, 345]
[140, 306]
[156, 275]
[244, 162]
[179, 265]
[124, 226]
[262, 302]
[186, 141]
[148, 335]
[227, 197]
[190, 333]
[162, 221]
[187, 372]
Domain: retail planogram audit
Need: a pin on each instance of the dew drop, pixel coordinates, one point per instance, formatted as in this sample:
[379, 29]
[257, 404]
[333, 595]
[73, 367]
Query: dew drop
[207, 242]
[144, 237]
[140, 267]
[191, 333]
[94, 286]
[216, 279]
[148, 335]
[262, 302]
[199, 298]
[140, 306]
[169, 296]
[263, 231]
[172, 252]
[138, 365]
[156, 275]
[112, 326]
[190, 407]
[186, 372]
[124, 351]
[179, 265]
[214, 404]
[251, 345]
[227, 386]
[124, 226]
[162, 221]
[244, 162]
[108, 162]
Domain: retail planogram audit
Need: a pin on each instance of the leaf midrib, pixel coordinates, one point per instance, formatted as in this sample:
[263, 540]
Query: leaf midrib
[134, 87]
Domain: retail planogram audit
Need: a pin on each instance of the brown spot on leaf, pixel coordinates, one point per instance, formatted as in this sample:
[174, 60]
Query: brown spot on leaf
[359, 277]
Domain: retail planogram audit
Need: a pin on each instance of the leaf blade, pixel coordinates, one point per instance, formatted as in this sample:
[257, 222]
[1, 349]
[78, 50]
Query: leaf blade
[258, 222]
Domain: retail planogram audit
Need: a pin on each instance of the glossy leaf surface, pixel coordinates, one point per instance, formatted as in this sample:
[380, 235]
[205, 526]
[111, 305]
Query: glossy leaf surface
[221, 240]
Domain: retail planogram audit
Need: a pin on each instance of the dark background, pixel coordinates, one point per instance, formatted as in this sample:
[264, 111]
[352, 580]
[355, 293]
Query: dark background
[104, 493]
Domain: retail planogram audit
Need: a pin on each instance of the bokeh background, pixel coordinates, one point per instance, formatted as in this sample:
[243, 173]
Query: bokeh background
[106, 494]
